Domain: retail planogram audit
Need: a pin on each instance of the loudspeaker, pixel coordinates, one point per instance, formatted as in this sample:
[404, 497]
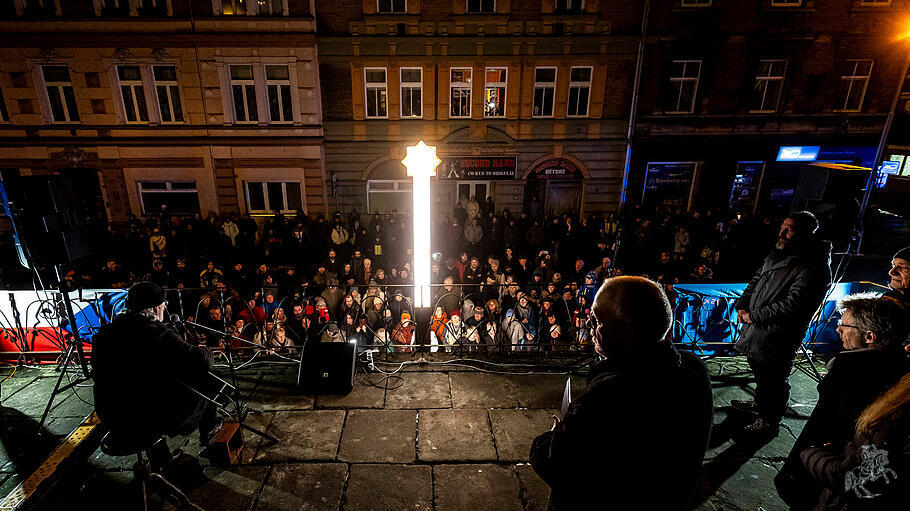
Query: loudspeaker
[327, 367]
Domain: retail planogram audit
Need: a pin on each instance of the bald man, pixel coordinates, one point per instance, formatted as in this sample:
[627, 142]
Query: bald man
[638, 433]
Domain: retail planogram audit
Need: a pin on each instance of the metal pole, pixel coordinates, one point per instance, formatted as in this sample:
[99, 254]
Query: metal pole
[633, 111]
[856, 238]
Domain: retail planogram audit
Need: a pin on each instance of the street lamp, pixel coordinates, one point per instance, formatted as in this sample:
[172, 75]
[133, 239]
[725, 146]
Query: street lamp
[421, 162]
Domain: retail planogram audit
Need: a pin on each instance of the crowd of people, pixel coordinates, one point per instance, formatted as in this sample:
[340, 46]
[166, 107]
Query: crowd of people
[500, 278]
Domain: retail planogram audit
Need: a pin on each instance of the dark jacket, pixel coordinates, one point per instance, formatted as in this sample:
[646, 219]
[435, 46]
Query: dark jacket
[781, 299]
[637, 434]
[855, 379]
[869, 474]
[141, 369]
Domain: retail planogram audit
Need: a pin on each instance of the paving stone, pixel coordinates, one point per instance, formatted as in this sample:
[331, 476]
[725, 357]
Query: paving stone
[482, 390]
[535, 493]
[267, 398]
[514, 430]
[389, 488]
[421, 390]
[379, 436]
[229, 490]
[540, 391]
[32, 399]
[306, 486]
[750, 486]
[460, 487]
[302, 435]
[363, 396]
[450, 435]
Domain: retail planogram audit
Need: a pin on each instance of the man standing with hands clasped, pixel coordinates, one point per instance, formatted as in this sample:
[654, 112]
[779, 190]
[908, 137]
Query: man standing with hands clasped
[775, 311]
[636, 437]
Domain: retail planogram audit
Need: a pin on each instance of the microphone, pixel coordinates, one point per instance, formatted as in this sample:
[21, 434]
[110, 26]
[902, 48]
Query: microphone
[174, 320]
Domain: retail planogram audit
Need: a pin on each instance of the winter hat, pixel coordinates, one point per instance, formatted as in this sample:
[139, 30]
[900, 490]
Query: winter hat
[405, 316]
[903, 253]
[144, 295]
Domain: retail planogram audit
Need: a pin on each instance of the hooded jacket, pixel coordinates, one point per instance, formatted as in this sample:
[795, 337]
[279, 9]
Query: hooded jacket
[781, 299]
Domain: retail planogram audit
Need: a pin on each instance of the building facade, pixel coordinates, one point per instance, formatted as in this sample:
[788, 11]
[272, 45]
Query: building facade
[527, 102]
[165, 105]
[762, 103]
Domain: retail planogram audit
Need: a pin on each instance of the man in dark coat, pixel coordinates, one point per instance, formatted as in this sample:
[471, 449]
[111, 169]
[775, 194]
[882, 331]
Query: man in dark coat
[900, 276]
[775, 310]
[142, 370]
[873, 330]
[613, 448]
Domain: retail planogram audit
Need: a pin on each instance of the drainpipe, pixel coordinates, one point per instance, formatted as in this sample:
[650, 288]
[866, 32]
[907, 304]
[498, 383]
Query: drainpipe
[633, 111]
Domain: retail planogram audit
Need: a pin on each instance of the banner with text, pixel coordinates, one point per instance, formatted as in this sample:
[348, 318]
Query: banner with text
[669, 184]
[478, 167]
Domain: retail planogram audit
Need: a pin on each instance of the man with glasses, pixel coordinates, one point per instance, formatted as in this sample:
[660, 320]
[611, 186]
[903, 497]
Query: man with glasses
[639, 431]
[143, 370]
[872, 330]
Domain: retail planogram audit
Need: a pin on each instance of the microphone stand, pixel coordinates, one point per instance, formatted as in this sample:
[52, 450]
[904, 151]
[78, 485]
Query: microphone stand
[240, 409]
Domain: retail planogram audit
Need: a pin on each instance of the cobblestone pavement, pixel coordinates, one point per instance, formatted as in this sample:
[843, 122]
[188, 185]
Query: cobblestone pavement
[431, 437]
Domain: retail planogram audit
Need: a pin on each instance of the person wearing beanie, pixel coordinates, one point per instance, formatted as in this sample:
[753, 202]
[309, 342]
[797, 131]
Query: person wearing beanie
[900, 276]
[142, 371]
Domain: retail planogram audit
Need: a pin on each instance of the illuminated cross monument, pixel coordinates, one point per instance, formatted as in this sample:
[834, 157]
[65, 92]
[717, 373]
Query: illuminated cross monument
[421, 162]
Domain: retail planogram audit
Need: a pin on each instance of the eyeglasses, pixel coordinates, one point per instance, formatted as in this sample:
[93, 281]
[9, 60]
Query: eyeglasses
[592, 323]
[845, 325]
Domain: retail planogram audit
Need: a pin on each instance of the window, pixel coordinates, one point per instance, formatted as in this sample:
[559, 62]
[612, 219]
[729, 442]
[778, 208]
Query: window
[481, 6]
[244, 92]
[4, 114]
[786, 3]
[769, 83]
[374, 79]
[180, 197]
[544, 89]
[132, 94]
[383, 196]
[494, 93]
[570, 5]
[875, 2]
[411, 91]
[168, 93]
[683, 86]
[695, 3]
[233, 7]
[40, 8]
[266, 197]
[579, 91]
[468, 189]
[270, 7]
[60, 95]
[853, 85]
[391, 6]
[115, 8]
[279, 86]
[153, 8]
[460, 92]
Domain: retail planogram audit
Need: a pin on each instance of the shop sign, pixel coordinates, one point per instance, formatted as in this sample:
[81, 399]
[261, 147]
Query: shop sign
[478, 168]
[798, 153]
[556, 168]
[745, 185]
[669, 183]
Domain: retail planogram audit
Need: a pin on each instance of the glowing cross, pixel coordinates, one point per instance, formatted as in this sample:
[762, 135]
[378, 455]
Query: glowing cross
[421, 162]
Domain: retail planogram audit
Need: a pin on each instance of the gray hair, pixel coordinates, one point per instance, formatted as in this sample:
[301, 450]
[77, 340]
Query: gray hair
[886, 317]
[148, 312]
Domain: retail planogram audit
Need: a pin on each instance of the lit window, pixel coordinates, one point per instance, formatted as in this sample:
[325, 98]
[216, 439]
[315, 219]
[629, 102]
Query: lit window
[460, 92]
[176, 197]
[232, 7]
[769, 83]
[481, 6]
[544, 90]
[279, 86]
[132, 94]
[243, 89]
[376, 91]
[266, 197]
[683, 86]
[570, 6]
[853, 85]
[786, 3]
[411, 91]
[168, 93]
[494, 93]
[392, 6]
[60, 96]
[383, 196]
[270, 7]
[579, 91]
